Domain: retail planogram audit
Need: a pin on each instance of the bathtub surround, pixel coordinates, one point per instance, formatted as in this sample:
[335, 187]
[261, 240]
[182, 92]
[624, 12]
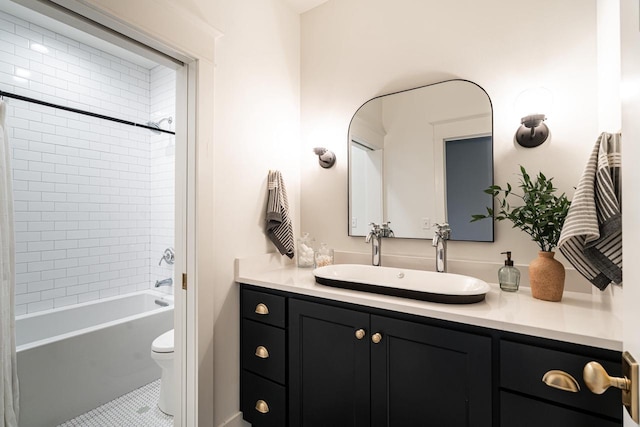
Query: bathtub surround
[9, 394]
[162, 192]
[94, 199]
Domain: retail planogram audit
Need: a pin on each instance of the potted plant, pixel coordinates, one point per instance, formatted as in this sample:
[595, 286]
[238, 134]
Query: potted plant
[541, 215]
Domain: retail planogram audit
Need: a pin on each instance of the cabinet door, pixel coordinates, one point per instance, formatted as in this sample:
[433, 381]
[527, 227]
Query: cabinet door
[427, 376]
[329, 366]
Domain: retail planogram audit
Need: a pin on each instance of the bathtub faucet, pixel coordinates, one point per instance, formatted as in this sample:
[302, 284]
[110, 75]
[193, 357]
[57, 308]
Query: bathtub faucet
[164, 282]
[168, 256]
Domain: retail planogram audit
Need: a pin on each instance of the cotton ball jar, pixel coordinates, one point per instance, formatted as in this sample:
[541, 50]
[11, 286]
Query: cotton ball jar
[305, 251]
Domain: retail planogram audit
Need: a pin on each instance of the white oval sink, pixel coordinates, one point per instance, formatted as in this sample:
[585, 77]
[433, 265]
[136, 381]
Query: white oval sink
[416, 284]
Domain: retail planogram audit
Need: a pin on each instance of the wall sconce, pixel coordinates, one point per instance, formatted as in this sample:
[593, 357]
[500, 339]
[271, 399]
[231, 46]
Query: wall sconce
[533, 131]
[325, 157]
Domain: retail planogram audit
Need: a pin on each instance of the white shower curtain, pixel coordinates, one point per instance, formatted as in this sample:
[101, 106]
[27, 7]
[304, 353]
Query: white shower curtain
[8, 371]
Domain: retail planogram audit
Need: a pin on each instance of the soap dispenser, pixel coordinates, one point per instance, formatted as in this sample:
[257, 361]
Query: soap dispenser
[508, 275]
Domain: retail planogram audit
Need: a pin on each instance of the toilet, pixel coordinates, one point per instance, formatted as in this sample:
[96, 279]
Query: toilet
[162, 353]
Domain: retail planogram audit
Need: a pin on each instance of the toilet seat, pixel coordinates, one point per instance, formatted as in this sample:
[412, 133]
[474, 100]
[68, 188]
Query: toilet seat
[164, 343]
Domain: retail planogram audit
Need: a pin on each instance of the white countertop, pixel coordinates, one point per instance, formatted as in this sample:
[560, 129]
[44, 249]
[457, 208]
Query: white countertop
[579, 318]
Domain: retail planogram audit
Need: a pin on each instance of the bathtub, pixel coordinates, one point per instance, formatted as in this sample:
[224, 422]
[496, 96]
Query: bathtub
[74, 359]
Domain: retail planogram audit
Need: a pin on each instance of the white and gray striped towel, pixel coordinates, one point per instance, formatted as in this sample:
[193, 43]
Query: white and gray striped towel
[279, 228]
[591, 237]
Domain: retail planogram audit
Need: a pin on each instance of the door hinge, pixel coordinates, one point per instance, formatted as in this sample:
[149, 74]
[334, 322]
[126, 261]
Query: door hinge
[184, 281]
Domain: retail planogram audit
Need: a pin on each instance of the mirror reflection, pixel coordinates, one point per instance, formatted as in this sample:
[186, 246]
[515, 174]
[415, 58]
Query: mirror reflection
[420, 157]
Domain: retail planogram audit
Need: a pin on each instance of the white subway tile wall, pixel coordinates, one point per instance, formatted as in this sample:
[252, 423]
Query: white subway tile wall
[161, 189]
[94, 200]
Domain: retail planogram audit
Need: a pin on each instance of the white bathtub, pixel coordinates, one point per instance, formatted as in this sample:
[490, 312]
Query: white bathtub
[73, 359]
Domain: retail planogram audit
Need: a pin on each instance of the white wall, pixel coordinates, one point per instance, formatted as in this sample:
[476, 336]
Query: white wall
[82, 185]
[257, 129]
[376, 47]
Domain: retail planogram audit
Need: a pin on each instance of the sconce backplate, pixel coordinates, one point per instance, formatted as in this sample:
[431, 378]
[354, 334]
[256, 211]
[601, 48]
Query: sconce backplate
[523, 136]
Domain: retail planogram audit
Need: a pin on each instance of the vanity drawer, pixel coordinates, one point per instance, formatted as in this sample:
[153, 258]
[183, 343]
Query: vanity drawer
[263, 307]
[263, 350]
[263, 402]
[522, 367]
[516, 410]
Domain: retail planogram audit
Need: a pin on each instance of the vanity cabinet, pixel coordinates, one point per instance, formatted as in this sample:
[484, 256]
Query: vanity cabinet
[263, 393]
[337, 364]
[352, 368]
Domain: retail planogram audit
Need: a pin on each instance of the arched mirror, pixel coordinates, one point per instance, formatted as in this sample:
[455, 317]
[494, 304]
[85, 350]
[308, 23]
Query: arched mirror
[423, 156]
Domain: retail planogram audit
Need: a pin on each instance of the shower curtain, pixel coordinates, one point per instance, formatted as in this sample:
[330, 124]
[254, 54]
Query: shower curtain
[8, 371]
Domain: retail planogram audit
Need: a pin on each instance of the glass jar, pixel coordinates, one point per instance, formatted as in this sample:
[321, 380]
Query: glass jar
[305, 251]
[324, 256]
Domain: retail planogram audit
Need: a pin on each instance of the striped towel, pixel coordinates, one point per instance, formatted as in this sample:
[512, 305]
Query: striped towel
[591, 237]
[279, 227]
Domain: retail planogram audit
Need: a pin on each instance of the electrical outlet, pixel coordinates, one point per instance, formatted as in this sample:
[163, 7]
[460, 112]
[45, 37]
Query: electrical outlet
[426, 224]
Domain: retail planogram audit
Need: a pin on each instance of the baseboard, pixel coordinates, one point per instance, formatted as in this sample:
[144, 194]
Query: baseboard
[235, 421]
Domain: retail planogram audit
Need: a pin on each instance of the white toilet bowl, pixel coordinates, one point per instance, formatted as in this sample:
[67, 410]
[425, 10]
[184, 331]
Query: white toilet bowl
[162, 353]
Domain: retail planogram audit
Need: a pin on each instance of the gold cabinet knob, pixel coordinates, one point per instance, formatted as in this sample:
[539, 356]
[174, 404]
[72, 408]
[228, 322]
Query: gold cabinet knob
[598, 380]
[262, 309]
[262, 352]
[376, 338]
[360, 333]
[262, 407]
[561, 380]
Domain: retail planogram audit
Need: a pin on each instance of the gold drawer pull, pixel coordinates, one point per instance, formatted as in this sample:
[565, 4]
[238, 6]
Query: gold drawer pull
[561, 380]
[360, 333]
[376, 338]
[262, 309]
[262, 352]
[262, 407]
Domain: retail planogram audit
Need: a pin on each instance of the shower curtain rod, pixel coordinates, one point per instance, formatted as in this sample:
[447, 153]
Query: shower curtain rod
[86, 113]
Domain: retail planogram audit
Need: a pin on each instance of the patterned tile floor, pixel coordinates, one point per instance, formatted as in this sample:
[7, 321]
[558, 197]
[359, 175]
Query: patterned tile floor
[136, 409]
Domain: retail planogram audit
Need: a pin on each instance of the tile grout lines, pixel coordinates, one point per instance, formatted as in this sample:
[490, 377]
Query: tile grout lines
[135, 409]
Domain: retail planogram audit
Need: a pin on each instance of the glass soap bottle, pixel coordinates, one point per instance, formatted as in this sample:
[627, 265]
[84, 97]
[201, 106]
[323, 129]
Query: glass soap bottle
[324, 256]
[305, 251]
[508, 275]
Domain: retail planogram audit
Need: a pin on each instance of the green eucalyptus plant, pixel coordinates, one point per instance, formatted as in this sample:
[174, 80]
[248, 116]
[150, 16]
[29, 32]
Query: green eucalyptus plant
[541, 216]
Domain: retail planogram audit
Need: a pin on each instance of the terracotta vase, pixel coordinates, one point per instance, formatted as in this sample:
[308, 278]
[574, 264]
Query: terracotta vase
[546, 276]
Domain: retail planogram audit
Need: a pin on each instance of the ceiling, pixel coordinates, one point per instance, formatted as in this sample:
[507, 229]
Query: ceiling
[302, 6]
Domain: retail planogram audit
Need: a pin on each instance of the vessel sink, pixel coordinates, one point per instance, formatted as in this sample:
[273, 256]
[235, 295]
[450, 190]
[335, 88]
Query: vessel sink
[402, 282]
